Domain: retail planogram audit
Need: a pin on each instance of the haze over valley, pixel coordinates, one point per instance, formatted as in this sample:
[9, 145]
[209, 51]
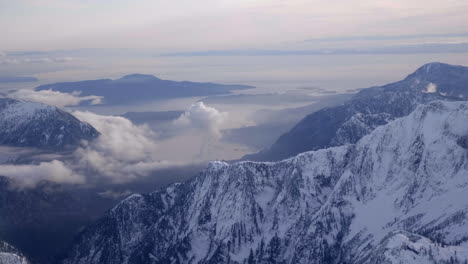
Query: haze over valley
[240, 132]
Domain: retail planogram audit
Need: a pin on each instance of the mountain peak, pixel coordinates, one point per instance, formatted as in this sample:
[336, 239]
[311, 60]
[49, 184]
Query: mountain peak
[24, 123]
[433, 66]
[439, 68]
[10, 107]
[137, 77]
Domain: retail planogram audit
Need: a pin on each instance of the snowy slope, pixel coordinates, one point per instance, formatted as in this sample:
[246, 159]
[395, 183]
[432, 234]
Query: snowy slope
[31, 124]
[398, 194]
[404, 247]
[9, 255]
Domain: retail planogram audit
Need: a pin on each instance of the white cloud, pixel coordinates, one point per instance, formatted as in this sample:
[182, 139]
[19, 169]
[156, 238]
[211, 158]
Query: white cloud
[29, 175]
[197, 130]
[55, 98]
[203, 118]
[431, 88]
[122, 152]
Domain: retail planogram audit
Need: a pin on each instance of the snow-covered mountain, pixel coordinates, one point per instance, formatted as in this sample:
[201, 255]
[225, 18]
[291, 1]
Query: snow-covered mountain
[29, 124]
[369, 109]
[396, 196]
[10, 255]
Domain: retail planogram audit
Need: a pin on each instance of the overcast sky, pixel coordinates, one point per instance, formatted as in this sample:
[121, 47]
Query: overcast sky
[185, 25]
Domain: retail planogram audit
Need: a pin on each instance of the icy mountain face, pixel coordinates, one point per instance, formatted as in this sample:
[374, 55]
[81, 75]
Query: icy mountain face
[28, 124]
[403, 247]
[396, 195]
[370, 108]
[10, 255]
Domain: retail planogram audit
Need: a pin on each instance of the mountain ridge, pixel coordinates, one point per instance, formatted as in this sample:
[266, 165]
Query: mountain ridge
[368, 109]
[358, 203]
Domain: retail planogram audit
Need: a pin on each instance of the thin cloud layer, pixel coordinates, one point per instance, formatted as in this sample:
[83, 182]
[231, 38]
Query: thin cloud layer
[55, 98]
[5, 59]
[124, 152]
[168, 25]
[26, 176]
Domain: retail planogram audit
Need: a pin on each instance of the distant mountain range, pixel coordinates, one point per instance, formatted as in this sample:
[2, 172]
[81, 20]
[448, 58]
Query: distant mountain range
[29, 124]
[396, 196]
[370, 108]
[139, 87]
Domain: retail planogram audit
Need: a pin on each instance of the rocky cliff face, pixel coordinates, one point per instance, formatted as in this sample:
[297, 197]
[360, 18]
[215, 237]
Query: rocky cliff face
[396, 196]
[28, 124]
[370, 108]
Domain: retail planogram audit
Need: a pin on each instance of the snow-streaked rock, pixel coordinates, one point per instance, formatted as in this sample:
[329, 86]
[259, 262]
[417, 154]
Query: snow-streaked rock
[29, 124]
[404, 247]
[10, 255]
[398, 191]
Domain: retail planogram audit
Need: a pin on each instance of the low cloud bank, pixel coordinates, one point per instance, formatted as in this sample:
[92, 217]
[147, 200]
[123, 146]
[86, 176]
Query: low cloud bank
[125, 152]
[30, 175]
[55, 98]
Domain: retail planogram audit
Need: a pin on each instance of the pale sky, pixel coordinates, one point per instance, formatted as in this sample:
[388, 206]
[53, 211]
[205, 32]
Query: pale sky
[185, 25]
